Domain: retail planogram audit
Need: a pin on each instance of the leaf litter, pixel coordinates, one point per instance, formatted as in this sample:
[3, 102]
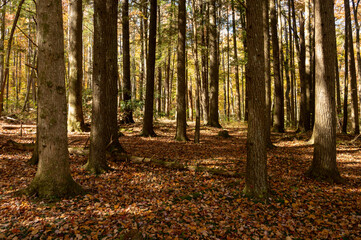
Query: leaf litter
[160, 203]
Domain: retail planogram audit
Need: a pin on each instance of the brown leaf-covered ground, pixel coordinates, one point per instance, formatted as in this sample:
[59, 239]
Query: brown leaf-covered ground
[163, 203]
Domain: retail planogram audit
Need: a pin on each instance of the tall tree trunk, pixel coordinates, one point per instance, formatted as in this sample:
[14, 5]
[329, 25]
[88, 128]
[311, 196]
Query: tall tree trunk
[228, 69]
[292, 66]
[345, 98]
[167, 83]
[304, 122]
[99, 133]
[358, 54]
[256, 169]
[308, 56]
[324, 157]
[278, 84]
[149, 97]
[75, 106]
[127, 88]
[204, 59]
[8, 51]
[181, 71]
[267, 70]
[288, 82]
[112, 77]
[53, 177]
[196, 63]
[142, 64]
[354, 97]
[2, 39]
[213, 120]
[160, 63]
[238, 94]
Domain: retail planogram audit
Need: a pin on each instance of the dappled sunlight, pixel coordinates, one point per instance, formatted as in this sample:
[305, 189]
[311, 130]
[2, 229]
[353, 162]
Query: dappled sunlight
[164, 203]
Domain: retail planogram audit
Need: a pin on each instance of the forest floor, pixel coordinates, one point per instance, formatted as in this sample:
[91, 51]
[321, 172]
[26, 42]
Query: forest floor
[163, 203]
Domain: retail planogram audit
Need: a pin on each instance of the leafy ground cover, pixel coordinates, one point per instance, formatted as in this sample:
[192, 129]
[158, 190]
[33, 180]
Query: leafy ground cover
[162, 203]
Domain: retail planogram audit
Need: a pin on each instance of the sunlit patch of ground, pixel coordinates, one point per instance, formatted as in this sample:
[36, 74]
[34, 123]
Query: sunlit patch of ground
[169, 204]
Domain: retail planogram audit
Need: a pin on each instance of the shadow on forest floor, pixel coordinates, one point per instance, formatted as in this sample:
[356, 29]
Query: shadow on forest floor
[168, 204]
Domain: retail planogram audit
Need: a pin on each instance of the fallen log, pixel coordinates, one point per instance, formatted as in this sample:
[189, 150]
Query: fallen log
[174, 165]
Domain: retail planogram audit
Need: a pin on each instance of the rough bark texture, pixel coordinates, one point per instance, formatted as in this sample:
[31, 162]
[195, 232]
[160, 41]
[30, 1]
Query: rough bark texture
[324, 157]
[351, 53]
[181, 71]
[149, 95]
[267, 70]
[112, 77]
[213, 120]
[127, 92]
[75, 106]
[256, 170]
[52, 179]
[98, 138]
[278, 84]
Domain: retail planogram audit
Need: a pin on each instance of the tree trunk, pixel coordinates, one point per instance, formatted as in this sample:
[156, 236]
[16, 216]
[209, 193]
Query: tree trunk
[308, 56]
[5, 76]
[278, 85]
[53, 177]
[238, 96]
[181, 71]
[358, 54]
[267, 70]
[167, 89]
[142, 57]
[204, 59]
[324, 157]
[112, 77]
[75, 106]
[213, 120]
[354, 97]
[149, 97]
[345, 98]
[127, 91]
[256, 169]
[198, 77]
[2, 39]
[99, 133]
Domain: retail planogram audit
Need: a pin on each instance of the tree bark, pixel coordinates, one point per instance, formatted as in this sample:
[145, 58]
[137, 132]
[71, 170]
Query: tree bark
[324, 157]
[52, 179]
[2, 40]
[204, 59]
[256, 169]
[267, 69]
[181, 71]
[308, 56]
[127, 91]
[75, 106]
[358, 54]
[354, 97]
[149, 98]
[198, 77]
[213, 120]
[345, 98]
[97, 163]
[278, 85]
